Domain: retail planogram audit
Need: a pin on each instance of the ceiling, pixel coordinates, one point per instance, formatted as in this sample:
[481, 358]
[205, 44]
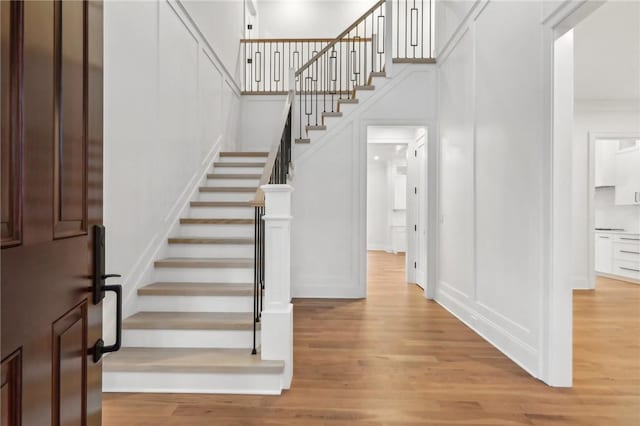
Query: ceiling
[607, 53]
[387, 143]
[386, 152]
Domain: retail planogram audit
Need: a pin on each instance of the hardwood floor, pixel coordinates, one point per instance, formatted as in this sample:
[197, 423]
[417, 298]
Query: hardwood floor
[398, 359]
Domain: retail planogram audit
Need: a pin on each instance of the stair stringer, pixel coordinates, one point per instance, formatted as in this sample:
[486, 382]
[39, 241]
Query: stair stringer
[142, 269]
[370, 99]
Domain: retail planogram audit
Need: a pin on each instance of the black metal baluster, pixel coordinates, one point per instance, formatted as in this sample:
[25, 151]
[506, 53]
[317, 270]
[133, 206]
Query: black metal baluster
[256, 242]
[422, 29]
[406, 27]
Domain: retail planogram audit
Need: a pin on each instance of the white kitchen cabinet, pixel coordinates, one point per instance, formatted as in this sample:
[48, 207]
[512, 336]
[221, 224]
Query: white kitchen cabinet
[627, 173]
[605, 163]
[604, 253]
[618, 254]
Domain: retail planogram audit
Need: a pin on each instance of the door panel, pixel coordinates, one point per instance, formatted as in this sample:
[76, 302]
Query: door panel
[421, 243]
[11, 30]
[47, 311]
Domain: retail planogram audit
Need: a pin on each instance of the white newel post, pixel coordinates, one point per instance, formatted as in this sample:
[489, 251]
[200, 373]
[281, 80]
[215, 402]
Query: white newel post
[388, 38]
[277, 311]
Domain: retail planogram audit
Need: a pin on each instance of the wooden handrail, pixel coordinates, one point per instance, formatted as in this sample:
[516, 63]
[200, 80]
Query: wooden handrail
[339, 37]
[298, 40]
[273, 152]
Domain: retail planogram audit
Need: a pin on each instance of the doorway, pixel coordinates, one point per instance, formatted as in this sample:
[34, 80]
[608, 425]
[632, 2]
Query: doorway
[593, 100]
[397, 197]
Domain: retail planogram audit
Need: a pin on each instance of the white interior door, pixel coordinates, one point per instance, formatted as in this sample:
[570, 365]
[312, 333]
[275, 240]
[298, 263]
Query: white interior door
[421, 222]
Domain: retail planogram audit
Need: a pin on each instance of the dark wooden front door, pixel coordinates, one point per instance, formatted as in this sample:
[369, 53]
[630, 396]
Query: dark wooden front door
[51, 181]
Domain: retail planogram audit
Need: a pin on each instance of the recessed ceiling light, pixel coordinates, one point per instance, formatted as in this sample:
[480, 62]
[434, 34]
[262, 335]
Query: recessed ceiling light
[376, 158]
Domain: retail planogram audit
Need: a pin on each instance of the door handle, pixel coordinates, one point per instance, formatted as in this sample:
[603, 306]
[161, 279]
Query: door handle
[100, 348]
[100, 288]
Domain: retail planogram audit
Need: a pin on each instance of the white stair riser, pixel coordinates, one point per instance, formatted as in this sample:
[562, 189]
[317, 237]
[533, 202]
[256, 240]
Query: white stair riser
[331, 121]
[242, 170]
[232, 182]
[347, 108]
[238, 339]
[203, 275]
[162, 382]
[208, 230]
[210, 250]
[226, 196]
[363, 95]
[222, 212]
[195, 303]
[315, 134]
[241, 159]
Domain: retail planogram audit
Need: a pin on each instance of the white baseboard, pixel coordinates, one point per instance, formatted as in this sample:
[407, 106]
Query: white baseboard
[618, 277]
[581, 283]
[514, 348]
[332, 291]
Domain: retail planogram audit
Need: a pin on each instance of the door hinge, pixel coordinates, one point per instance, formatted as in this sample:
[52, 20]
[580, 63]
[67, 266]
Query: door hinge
[415, 190]
[415, 265]
[415, 153]
[250, 27]
[249, 61]
[415, 228]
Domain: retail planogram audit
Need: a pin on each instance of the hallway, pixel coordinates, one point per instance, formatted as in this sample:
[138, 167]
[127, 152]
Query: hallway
[396, 358]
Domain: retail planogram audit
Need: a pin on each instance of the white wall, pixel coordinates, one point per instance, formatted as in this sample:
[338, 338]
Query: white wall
[329, 201]
[168, 107]
[495, 143]
[260, 117]
[221, 23]
[308, 18]
[609, 215]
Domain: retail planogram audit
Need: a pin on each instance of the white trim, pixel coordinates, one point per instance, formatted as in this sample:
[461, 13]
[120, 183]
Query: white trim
[178, 4]
[432, 201]
[556, 325]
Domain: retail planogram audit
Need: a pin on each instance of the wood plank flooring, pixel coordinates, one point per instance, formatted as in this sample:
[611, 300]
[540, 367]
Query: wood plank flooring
[398, 359]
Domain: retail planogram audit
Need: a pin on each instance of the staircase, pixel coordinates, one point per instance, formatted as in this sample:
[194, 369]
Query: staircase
[198, 324]
[193, 331]
[343, 107]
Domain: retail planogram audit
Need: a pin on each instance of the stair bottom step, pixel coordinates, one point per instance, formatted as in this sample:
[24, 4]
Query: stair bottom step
[190, 360]
[205, 383]
[191, 370]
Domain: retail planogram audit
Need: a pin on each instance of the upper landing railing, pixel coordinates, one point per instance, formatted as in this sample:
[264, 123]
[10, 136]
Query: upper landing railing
[345, 61]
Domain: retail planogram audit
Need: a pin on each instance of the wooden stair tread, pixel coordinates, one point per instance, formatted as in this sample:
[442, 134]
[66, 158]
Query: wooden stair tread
[204, 262]
[228, 189]
[189, 321]
[244, 154]
[233, 176]
[208, 240]
[302, 140]
[222, 204]
[237, 164]
[196, 289]
[332, 114]
[348, 101]
[365, 87]
[215, 221]
[378, 74]
[190, 360]
[317, 127]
